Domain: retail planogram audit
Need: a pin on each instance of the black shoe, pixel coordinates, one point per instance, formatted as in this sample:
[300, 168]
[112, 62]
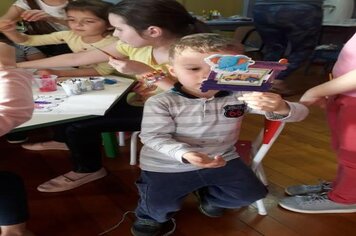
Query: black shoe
[16, 138]
[146, 228]
[207, 209]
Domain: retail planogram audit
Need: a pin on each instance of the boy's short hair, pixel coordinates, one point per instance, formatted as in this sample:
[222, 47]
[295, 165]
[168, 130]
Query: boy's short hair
[205, 43]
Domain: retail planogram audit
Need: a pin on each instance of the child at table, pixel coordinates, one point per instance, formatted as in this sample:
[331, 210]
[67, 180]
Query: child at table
[189, 139]
[146, 29]
[339, 98]
[88, 21]
[40, 17]
[16, 107]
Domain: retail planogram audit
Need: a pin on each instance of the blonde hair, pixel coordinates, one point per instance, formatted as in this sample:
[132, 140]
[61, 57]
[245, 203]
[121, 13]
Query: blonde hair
[205, 43]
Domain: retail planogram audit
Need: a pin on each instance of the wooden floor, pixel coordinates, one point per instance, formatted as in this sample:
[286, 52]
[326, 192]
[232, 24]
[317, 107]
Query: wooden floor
[301, 155]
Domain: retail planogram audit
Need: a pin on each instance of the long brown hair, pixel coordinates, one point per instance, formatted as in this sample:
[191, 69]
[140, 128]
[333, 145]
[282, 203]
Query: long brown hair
[166, 14]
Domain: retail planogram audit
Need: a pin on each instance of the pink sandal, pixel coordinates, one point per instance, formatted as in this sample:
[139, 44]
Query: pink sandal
[64, 183]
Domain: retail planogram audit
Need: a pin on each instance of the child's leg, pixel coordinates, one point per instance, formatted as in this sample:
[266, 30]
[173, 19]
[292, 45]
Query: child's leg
[161, 194]
[84, 137]
[232, 186]
[342, 122]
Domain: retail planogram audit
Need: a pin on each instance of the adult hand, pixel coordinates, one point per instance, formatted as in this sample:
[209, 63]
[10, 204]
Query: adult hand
[265, 101]
[203, 160]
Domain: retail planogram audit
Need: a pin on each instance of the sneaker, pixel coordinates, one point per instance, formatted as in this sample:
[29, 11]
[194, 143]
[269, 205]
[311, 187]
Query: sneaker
[146, 228]
[16, 138]
[323, 186]
[206, 208]
[50, 145]
[315, 203]
[70, 181]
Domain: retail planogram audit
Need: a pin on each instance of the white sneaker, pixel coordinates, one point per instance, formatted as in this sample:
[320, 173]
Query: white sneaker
[315, 203]
[50, 145]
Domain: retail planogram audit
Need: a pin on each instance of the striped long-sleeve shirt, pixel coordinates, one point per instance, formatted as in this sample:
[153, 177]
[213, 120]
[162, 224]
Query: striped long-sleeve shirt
[175, 123]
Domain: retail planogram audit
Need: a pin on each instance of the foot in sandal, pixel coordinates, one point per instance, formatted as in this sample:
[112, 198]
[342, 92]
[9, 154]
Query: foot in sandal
[70, 180]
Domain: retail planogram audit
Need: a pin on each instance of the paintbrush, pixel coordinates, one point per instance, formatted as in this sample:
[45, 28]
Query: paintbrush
[105, 52]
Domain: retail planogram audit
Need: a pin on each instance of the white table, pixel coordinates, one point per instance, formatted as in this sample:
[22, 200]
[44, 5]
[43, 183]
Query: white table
[83, 106]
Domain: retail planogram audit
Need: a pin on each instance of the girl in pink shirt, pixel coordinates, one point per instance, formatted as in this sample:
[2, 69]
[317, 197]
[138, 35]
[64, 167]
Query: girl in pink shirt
[339, 97]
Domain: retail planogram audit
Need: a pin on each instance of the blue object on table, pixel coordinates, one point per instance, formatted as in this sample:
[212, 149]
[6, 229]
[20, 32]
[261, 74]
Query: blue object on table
[110, 81]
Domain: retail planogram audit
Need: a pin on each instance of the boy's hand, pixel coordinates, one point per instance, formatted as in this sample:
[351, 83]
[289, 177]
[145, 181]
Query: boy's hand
[7, 56]
[203, 160]
[265, 101]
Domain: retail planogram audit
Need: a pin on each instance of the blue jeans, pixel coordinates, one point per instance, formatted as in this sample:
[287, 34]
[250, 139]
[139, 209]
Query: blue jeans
[231, 186]
[13, 202]
[295, 24]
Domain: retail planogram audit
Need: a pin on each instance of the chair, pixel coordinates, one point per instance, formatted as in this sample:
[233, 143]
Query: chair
[253, 152]
[112, 141]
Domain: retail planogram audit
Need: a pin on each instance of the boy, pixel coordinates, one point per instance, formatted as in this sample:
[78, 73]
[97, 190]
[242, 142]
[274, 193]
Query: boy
[189, 139]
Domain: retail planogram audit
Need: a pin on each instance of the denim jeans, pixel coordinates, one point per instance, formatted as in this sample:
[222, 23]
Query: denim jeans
[231, 186]
[295, 24]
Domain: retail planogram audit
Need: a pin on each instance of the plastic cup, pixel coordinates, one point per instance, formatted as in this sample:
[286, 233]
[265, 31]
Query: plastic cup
[97, 83]
[46, 83]
[71, 88]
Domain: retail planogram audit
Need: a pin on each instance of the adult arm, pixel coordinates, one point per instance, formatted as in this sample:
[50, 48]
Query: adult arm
[16, 101]
[73, 59]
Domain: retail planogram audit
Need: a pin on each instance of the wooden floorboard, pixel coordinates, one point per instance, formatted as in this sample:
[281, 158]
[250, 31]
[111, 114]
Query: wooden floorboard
[302, 154]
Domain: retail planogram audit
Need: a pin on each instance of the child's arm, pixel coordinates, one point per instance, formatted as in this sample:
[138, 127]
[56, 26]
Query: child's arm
[69, 73]
[274, 106]
[73, 59]
[129, 67]
[342, 84]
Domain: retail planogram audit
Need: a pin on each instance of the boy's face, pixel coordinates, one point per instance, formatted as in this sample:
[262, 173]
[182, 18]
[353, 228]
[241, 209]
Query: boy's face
[191, 70]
